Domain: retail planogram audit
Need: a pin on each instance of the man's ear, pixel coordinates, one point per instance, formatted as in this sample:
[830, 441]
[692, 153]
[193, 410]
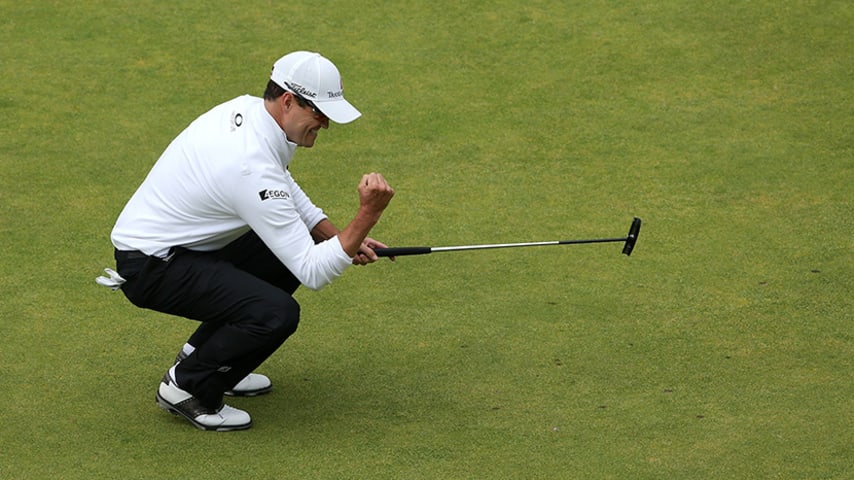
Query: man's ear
[287, 101]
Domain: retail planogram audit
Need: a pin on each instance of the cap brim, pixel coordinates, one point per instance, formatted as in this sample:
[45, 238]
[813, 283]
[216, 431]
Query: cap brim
[339, 111]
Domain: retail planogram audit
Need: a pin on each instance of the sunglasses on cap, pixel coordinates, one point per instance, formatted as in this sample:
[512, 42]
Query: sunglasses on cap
[304, 102]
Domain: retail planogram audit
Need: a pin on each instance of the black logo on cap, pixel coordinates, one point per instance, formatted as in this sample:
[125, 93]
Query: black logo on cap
[303, 90]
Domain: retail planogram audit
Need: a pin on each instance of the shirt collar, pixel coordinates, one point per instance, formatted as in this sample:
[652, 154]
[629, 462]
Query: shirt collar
[275, 136]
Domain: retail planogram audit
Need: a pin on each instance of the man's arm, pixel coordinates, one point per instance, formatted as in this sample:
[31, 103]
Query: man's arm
[324, 230]
[281, 227]
[374, 195]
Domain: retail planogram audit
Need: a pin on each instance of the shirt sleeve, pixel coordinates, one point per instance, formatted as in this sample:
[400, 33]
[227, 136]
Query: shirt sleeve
[282, 215]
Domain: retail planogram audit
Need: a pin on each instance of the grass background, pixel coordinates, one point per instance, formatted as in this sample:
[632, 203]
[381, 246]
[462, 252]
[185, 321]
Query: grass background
[721, 349]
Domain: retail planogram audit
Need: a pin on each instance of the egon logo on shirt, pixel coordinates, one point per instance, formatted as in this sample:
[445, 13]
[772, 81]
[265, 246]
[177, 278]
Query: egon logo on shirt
[274, 194]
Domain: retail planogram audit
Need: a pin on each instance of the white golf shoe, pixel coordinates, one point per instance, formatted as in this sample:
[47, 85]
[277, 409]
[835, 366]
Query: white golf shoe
[171, 398]
[252, 385]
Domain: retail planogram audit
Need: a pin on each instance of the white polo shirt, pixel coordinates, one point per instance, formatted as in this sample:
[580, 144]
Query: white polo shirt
[224, 174]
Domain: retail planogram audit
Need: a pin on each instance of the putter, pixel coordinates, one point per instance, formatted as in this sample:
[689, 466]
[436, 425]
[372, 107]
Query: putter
[628, 246]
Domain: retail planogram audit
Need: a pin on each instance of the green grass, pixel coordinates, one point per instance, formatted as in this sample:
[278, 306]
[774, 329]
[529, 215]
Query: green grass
[722, 348]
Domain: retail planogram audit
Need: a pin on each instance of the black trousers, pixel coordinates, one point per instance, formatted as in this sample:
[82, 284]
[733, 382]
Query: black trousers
[242, 295]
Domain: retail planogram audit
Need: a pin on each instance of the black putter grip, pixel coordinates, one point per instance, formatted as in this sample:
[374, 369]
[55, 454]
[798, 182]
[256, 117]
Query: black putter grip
[400, 251]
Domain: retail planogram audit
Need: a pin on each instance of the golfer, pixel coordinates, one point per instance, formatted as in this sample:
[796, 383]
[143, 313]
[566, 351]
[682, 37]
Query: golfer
[220, 232]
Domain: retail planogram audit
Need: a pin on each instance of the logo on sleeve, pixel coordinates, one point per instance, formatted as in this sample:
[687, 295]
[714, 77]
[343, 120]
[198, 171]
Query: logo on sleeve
[274, 195]
[236, 121]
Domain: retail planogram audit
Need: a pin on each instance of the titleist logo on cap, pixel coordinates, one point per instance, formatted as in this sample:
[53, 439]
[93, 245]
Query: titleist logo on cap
[304, 91]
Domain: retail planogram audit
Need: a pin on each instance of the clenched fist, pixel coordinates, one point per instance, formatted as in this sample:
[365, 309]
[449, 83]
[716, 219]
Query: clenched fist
[374, 193]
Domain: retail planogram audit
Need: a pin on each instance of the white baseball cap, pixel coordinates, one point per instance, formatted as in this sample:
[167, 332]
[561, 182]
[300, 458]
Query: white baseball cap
[316, 79]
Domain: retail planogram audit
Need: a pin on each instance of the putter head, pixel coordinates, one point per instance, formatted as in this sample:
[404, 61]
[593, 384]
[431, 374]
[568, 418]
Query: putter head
[632, 238]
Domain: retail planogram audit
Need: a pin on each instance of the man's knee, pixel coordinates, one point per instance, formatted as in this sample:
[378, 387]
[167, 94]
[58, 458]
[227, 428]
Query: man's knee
[276, 317]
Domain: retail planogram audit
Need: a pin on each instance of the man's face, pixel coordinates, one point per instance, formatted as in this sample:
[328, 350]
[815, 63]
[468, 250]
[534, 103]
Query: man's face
[303, 121]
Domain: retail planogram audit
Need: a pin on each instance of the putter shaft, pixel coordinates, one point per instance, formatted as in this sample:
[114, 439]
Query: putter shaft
[629, 240]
